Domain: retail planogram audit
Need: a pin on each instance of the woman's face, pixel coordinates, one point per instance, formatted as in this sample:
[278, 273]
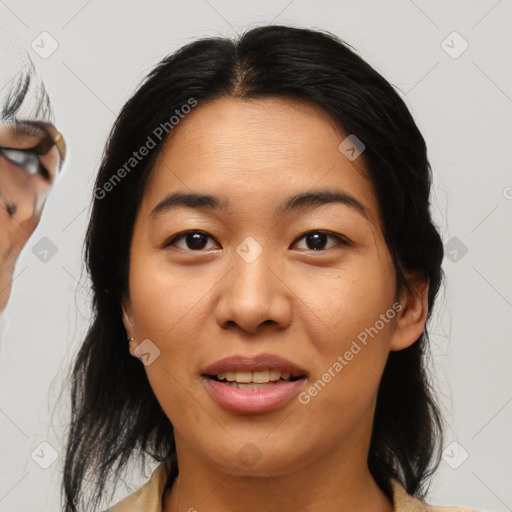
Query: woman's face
[305, 287]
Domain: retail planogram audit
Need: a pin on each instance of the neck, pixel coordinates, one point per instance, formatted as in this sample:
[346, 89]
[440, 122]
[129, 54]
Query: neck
[338, 480]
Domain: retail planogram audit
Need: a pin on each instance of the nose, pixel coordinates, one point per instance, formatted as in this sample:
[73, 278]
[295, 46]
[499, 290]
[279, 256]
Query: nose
[253, 298]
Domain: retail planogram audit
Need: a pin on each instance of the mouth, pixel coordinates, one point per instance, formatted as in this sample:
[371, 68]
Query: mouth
[247, 385]
[254, 380]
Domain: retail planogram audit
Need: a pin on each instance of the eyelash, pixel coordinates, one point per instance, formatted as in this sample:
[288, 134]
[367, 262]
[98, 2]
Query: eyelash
[341, 241]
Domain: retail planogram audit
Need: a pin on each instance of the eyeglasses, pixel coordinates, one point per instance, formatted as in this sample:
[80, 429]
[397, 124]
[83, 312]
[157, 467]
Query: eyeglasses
[42, 137]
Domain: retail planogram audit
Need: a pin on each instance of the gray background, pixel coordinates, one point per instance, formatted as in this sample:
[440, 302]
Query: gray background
[462, 105]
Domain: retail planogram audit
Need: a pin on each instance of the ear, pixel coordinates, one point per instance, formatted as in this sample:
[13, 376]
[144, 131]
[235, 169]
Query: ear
[412, 317]
[129, 324]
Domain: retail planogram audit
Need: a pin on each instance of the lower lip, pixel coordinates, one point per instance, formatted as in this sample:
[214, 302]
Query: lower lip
[250, 401]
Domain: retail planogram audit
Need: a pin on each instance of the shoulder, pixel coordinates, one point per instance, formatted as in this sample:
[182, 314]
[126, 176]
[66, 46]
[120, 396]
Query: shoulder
[403, 502]
[149, 496]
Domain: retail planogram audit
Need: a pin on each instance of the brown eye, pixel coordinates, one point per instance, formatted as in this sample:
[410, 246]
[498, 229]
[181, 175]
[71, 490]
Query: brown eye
[317, 240]
[193, 240]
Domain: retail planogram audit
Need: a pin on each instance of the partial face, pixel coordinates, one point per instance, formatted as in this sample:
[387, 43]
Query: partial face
[31, 151]
[29, 162]
[299, 290]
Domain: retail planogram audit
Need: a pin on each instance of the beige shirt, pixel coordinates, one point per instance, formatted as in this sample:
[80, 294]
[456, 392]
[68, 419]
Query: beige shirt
[149, 497]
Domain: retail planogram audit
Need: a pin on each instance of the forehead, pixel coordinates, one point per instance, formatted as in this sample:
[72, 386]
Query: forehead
[271, 126]
[265, 148]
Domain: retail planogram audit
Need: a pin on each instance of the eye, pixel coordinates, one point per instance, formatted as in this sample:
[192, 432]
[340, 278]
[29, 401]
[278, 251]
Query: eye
[25, 159]
[19, 157]
[316, 240]
[191, 240]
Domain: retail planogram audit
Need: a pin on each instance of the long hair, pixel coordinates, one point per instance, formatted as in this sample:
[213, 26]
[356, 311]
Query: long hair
[115, 415]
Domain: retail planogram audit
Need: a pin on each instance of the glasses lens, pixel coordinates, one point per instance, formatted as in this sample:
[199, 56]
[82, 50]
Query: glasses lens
[28, 161]
[35, 146]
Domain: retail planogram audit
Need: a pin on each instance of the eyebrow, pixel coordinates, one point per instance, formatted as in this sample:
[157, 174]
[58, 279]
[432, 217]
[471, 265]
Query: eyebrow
[295, 203]
[26, 129]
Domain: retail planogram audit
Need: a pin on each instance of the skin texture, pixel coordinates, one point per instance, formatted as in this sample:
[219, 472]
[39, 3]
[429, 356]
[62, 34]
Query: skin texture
[306, 305]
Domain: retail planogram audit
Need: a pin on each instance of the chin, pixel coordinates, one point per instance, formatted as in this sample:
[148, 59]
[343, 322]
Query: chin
[259, 457]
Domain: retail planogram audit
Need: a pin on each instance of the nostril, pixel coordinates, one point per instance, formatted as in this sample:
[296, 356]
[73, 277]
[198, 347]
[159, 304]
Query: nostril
[11, 208]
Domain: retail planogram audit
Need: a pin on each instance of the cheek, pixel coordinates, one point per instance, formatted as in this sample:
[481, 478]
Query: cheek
[350, 324]
[344, 302]
[164, 299]
[347, 373]
[166, 304]
[16, 186]
[167, 319]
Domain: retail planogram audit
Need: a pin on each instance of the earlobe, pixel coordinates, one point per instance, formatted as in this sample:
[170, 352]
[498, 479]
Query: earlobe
[411, 319]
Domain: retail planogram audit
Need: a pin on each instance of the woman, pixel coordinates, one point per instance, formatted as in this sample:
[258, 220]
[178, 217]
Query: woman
[263, 263]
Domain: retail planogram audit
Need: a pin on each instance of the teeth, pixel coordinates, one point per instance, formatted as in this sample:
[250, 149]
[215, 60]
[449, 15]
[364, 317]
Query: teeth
[260, 377]
[274, 375]
[243, 377]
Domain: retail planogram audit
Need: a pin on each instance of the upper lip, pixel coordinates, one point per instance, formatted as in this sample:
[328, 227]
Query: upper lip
[254, 363]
